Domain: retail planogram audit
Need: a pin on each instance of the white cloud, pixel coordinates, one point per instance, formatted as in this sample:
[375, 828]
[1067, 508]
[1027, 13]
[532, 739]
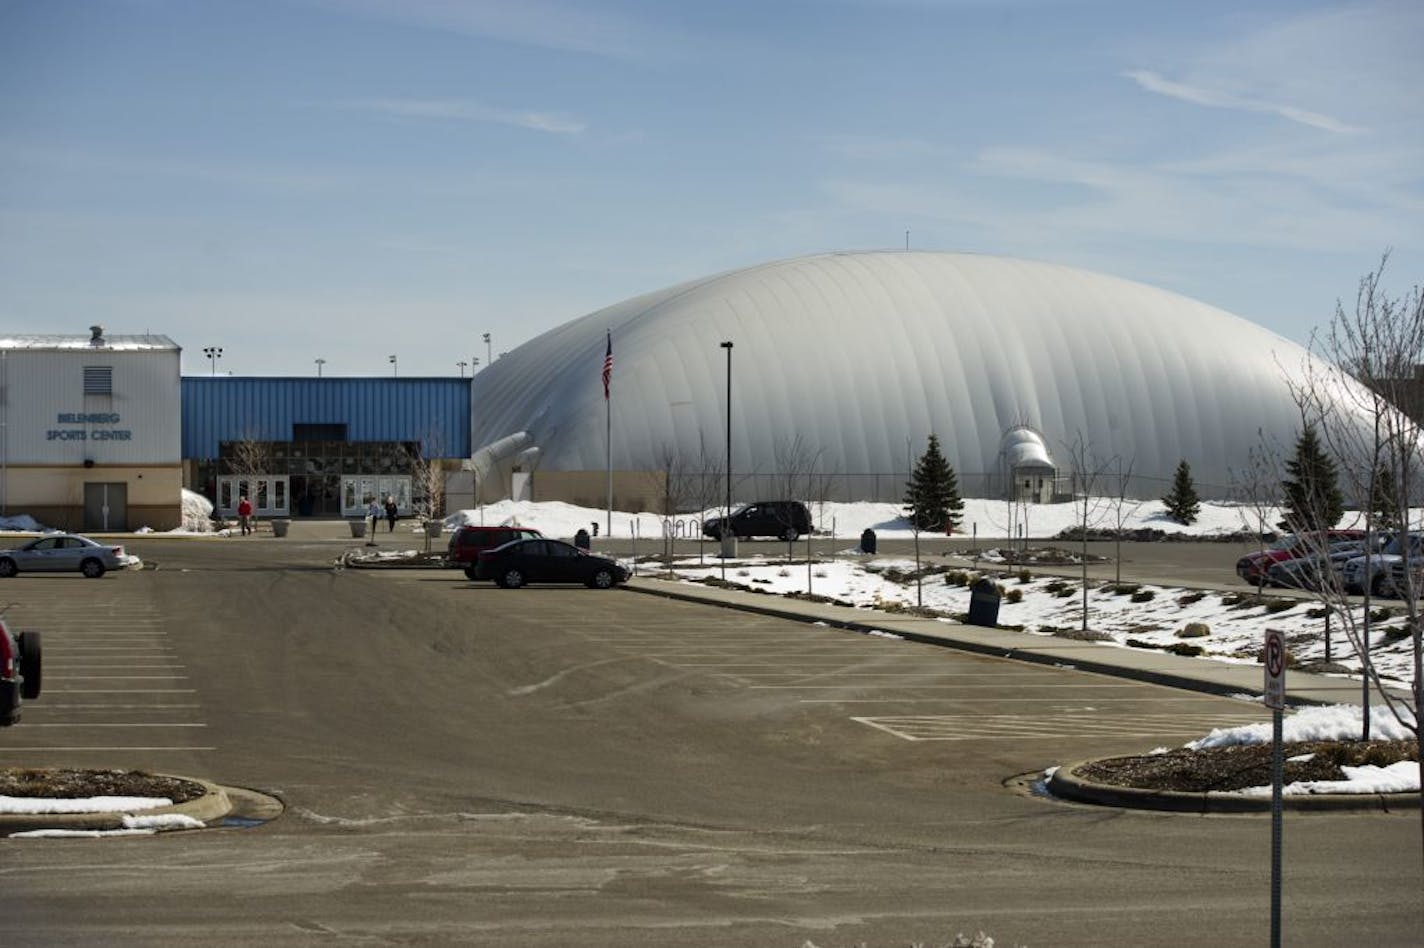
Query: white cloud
[464, 111]
[1153, 82]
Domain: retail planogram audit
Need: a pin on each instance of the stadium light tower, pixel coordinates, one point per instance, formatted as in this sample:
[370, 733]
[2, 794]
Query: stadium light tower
[214, 353]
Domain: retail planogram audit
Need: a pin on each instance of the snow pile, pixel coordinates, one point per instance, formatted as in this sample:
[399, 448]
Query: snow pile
[22, 523]
[80, 804]
[161, 821]
[197, 513]
[1343, 722]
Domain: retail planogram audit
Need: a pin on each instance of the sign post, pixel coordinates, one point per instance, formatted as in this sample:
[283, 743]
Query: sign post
[1275, 699]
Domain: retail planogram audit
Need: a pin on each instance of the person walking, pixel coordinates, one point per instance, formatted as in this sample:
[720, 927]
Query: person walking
[391, 512]
[373, 511]
[244, 515]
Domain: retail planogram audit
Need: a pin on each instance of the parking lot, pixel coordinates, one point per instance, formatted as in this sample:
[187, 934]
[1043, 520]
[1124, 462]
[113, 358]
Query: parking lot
[551, 766]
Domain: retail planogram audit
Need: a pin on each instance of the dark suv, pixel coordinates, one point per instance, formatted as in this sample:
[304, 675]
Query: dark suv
[19, 672]
[784, 519]
[467, 542]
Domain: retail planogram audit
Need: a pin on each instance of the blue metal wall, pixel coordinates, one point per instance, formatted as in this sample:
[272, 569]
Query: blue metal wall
[433, 411]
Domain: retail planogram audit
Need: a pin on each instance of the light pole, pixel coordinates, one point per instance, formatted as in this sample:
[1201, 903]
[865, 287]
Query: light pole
[727, 517]
[462, 365]
[392, 360]
[319, 364]
[489, 351]
[214, 353]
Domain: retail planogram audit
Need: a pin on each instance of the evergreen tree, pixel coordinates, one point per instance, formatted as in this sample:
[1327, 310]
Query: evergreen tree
[1384, 504]
[1313, 501]
[932, 495]
[1182, 502]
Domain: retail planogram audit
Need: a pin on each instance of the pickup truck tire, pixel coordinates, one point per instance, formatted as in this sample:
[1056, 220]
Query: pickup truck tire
[30, 662]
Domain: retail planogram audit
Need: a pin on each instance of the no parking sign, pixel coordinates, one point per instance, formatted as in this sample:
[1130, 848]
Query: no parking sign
[1275, 670]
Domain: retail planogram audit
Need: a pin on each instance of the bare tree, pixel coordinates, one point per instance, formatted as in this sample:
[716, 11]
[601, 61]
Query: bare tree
[1257, 491]
[796, 463]
[249, 460]
[1088, 508]
[673, 484]
[428, 478]
[1120, 510]
[1356, 394]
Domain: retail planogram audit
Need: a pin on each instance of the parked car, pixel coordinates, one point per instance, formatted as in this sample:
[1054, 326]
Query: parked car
[1253, 567]
[19, 672]
[547, 561]
[1320, 570]
[467, 542]
[1372, 570]
[65, 553]
[784, 519]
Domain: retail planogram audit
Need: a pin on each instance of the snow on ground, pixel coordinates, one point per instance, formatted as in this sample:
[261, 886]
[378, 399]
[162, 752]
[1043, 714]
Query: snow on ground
[985, 518]
[80, 805]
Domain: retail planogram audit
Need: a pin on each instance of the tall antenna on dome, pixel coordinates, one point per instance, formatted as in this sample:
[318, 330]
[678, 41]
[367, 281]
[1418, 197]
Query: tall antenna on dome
[907, 240]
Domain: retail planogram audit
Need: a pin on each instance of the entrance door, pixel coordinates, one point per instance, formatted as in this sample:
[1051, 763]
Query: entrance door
[106, 507]
[268, 492]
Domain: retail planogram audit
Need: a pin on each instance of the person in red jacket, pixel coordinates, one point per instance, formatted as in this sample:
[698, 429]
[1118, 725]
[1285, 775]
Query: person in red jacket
[244, 515]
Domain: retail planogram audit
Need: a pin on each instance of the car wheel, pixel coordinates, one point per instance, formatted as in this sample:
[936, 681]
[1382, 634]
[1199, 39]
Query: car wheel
[1377, 585]
[92, 568]
[7, 567]
[603, 579]
[30, 665]
[470, 572]
[512, 579]
[789, 534]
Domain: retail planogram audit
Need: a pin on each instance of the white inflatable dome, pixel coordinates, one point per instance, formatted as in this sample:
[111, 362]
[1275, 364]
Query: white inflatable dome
[865, 354]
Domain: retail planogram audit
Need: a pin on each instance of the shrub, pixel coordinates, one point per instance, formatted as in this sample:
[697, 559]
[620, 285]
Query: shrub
[1274, 606]
[1055, 586]
[1194, 630]
[956, 577]
[1025, 576]
[1013, 595]
[1064, 591]
[1144, 595]
[1192, 597]
[1124, 589]
[1382, 614]
[1320, 613]
[1182, 648]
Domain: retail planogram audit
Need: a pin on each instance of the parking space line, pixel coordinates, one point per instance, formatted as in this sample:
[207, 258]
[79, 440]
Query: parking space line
[108, 748]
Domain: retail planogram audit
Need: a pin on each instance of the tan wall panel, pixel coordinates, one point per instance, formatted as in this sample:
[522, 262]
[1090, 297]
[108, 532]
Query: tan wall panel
[633, 491]
[54, 496]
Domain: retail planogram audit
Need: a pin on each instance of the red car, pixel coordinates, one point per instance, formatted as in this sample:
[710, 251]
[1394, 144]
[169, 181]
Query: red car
[1254, 567]
[467, 542]
[19, 672]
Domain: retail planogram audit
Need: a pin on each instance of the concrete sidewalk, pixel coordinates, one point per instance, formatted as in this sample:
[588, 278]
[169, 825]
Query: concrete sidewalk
[1175, 671]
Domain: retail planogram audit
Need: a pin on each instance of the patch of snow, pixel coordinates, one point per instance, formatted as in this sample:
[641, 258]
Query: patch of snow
[80, 804]
[162, 821]
[1401, 777]
[1339, 722]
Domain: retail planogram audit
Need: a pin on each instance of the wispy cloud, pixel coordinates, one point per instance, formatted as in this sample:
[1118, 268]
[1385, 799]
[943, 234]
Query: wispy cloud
[547, 24]
[1156, 83]
[457, 111]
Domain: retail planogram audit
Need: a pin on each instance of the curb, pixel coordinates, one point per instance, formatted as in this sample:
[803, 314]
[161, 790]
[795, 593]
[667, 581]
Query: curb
[213, 805]
[1065, 784]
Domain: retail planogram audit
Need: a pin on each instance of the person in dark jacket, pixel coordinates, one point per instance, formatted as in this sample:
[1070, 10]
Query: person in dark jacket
[391, 512]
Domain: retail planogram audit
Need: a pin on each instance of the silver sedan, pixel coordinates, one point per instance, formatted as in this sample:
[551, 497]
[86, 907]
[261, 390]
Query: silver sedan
[64, 553]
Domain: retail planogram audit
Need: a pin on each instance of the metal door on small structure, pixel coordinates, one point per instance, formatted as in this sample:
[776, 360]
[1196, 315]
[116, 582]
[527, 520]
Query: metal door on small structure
[106, 506]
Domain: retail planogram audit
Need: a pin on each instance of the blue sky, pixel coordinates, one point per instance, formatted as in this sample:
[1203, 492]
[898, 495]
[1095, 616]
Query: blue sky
[350, 179]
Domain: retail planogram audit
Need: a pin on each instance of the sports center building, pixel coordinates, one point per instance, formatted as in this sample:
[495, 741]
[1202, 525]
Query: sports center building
[839, 367]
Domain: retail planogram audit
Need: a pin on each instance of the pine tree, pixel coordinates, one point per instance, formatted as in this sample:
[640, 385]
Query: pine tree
[932, 495]
[1182, 502]
[1384, 504]
[1313, 501]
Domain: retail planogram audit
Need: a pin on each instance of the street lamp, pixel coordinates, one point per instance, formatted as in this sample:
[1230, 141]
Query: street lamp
[727, 518]
[489, 352]
[319, 364]
[462, 365]
[214, 353]
[392, 360]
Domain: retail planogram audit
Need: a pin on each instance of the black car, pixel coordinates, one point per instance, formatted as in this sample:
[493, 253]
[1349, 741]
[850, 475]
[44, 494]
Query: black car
[784, 519]
[19, 672]
[546, 561]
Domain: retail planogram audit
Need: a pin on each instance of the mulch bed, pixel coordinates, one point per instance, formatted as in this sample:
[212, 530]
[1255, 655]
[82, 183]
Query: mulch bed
[79, 784]
[1241, 766]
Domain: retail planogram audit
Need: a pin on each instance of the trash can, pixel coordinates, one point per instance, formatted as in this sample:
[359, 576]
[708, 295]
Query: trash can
[279, 526]
[984, 603]
[358, 528]
[581, 539]
[867, 541]
[729, 546]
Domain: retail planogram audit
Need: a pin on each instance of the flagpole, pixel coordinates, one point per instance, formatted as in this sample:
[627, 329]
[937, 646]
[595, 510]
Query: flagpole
[608, 425]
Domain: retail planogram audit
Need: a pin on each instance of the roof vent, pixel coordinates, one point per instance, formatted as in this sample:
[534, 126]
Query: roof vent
[96, 337]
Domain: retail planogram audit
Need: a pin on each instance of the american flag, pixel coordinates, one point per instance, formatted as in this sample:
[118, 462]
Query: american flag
[608, 366]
